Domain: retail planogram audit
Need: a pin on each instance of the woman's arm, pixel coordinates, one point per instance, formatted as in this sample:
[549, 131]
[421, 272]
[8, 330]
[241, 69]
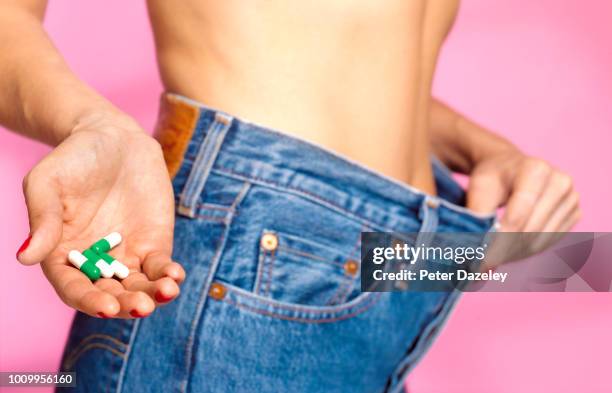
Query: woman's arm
[537, 197]
[104, 175]
[459, 142]
[39, 96]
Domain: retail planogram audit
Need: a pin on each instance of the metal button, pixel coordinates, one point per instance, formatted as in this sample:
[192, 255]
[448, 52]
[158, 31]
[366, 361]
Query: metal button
[269, 241]
[351, 267]
[217, 291]
[433, 203]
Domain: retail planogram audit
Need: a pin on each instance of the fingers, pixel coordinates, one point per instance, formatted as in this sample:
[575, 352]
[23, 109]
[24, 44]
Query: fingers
[134, 304]
[542, 199]
[555, 201]
[136, 294]
[162, 290]
[135, 297]
[565, 216]
[45, 211]
[159, 265]
[528, 186]
[538, 197]
[486, 193]
[77, 291]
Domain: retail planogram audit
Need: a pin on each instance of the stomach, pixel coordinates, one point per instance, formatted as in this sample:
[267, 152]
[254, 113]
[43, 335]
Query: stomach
[351, 76]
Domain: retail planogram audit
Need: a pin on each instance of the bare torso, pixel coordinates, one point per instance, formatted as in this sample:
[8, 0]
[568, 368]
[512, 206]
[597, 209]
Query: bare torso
[351, 75]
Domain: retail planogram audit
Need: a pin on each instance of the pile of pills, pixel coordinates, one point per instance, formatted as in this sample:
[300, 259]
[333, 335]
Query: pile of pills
[95, 262]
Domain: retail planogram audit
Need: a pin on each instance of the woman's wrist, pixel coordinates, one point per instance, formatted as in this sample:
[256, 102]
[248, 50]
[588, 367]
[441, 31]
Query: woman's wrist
[459, 142]
[107, 120]
[477, 144]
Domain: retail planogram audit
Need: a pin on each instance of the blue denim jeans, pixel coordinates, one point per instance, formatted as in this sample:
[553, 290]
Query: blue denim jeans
[268, 229]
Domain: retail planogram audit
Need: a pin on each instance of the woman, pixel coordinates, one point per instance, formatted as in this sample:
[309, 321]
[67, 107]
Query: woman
[268, 223]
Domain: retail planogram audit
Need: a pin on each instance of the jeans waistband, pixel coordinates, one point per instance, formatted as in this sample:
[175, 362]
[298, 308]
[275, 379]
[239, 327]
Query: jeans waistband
[209, 140]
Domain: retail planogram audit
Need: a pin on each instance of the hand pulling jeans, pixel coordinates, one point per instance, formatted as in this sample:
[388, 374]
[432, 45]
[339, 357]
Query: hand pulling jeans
[268, 230]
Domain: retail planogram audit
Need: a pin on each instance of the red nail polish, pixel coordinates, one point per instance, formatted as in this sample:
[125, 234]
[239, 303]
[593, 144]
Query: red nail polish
[102, 315]
[25, 245]
[161, 298]
[136, 314]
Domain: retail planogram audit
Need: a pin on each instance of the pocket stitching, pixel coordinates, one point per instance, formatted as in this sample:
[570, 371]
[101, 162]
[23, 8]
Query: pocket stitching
[307, 195]
[76, 355]
[209, 218]
[309, 255]
[269, 263]
[258, 277]
[359, 308]
[344, 290]
[241, 293]
[270, 270]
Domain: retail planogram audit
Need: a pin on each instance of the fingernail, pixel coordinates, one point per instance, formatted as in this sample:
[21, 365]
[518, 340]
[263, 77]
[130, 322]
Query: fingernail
[25, 245]
[102, 315]
[136, 314]
[161, 298]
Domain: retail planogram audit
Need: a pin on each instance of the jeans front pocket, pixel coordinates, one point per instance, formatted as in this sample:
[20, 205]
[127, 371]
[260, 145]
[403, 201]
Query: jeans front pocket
[297, 270]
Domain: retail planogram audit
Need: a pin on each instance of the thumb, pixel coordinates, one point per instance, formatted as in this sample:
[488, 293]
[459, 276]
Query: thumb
[486, 193]
[45, 212]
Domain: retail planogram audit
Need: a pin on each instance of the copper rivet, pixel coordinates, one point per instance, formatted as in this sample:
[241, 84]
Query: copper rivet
[217, 291]
[351, 267]
[432, 203]
[269, 241]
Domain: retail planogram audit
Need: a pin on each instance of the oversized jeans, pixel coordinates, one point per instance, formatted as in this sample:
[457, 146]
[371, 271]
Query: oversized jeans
[268, 230]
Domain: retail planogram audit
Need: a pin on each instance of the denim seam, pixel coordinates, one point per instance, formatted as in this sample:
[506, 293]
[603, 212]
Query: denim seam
[372, 301]
[426, 339]
[189, 346]
[344, 289]
[428, 335]
[308, 243]
[128, 352]
[429, 224]
[189, 353]
[93, 336]
[75, 355]
[204, 205]
[270, 270]
[259, 274]
[305, 194]
[308, 255]
[209, 218]
[86, 340]
[341, 291]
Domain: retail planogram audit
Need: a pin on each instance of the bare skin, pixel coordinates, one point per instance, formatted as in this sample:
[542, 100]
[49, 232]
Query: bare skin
[354, 77]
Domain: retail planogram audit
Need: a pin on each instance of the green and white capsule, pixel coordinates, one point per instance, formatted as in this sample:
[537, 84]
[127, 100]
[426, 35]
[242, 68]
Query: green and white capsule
[83, 264]
[105, 269]
[121, 271]
[106, 243]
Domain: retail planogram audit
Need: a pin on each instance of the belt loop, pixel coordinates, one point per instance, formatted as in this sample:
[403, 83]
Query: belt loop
[428, 213]
[207, 154]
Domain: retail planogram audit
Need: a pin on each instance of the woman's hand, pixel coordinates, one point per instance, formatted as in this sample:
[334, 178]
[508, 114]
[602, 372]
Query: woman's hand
[540, 202]
[107, 176]
[536, 196]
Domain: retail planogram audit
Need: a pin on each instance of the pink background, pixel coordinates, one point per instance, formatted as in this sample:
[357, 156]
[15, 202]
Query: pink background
[537, 71]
